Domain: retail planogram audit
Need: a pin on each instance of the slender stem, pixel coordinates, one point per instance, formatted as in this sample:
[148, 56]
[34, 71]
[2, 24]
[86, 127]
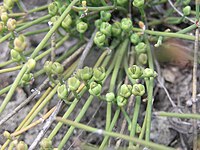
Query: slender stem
[10, 69]
[178, 115]
[135, 118]
[12, 89]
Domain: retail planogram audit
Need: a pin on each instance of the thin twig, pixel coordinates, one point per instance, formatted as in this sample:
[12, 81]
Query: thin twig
[25, 102]
[180, 13]
[46, 126]
[86, 51]
[194, 88]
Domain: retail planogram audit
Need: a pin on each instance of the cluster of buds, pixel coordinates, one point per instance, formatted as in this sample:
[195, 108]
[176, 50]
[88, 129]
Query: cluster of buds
[136, 72]
[54, 68]
[26, 79]
[46, 144]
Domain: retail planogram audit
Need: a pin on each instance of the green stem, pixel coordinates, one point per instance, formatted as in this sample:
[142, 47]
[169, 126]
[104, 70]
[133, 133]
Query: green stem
[126, 115]
[3, 64]
[178, 115]
[135, 118]
[12, 89]
[10, 69]
[36, 32]
[78, 118]
[115, 118]
[113, 134]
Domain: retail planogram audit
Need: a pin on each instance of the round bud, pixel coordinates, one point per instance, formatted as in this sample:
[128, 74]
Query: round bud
[122, 2]
[147, 73]
[7, 134]
[138, 90]
[20, 43]
[26, 79]
[100, 39]
[126, 24]
[105, 15]
[86, 73]
[121, 101]
[106, 28]
[186, 10]
[54, 19]
[73, 83]
[66, 23]
[47, 66]
[4, 17]
[135, 72]
[116, 29]
[62, 92]
[57, 68]
[125, 91]
[31, 64]
[140, 48]
[46, 144]
[8, 4]
[138, 3]
[11, 24]
[98, 23]
[99, 74]
[95, 89]
[22, 146]
[135, 39]
[142, 58]
[15, 55]
[81, 27]
[110, 97]
[53, 8]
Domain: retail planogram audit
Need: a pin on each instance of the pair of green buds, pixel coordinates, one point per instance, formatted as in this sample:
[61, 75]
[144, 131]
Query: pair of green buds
[127, 90]
[140, 50]
[20, 45]
[53, 68]
[135, 72]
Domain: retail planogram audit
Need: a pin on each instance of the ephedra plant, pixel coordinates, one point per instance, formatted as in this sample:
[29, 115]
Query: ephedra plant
[124, 33]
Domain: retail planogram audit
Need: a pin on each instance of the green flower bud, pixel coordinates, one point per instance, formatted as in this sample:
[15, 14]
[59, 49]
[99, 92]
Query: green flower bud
[47, 66]
[15, 55]
[8, 4]
[81, 27]
[110, 97]
[73, 83]
[31, 64]
[186, 2]
[135, 72]
[105, 15]
[140, 48]
[95, 89]
[66, 23]
[122, 2]
[53, 8]
[125, 90]
[11, 24]
[2, 9]
[20, 43]
[116, 29]
[135, 39]
[138, 89]
[46, 144]
[22, 146]
[100, 39]
[147, 73]
[62, 92]
[106, 28]
[57, 68]
[186, 10]
[7, 135]
[121, 101]
[142, 58]
[54, 19]
[2, 27]
[26, 79]
[138, 3]
[126, 24]
[4, 17]
[86, 73]
[98, 23]
[99, 74]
